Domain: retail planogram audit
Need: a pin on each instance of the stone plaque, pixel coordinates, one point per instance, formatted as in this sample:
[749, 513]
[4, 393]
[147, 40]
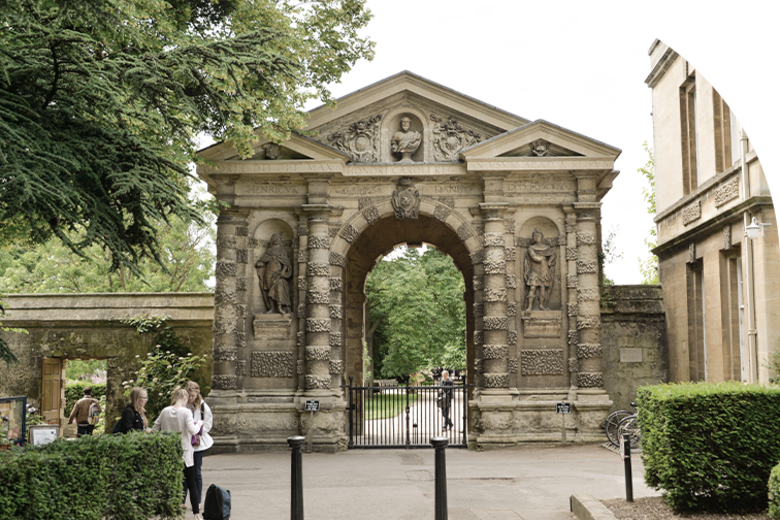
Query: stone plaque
[272, 326]
[541, 324]
[630, 355]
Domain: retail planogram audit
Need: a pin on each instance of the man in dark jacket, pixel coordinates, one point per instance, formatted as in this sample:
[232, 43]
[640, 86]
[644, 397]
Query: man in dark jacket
[80, 413]
[446, 392]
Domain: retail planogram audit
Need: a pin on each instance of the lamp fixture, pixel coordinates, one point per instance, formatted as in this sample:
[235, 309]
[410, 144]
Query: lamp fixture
[752, 229]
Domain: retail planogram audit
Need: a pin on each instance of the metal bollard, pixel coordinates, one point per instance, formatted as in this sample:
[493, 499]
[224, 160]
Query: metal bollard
[296, 492]
[626, 452]
[440, 444]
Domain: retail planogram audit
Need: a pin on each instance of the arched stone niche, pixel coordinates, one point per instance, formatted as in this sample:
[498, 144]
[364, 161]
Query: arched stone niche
[262, 237]
[391, 125]
[552, 238]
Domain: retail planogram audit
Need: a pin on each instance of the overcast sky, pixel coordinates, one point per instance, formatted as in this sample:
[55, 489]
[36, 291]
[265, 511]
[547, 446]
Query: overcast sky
[582, 65]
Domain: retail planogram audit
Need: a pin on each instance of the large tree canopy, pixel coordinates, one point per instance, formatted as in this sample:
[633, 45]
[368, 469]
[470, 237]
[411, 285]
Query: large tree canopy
[417, 313]
[101, 101]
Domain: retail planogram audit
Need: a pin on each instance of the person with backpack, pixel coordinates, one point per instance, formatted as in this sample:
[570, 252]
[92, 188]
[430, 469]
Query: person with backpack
[200, 412]
[85, 413]
[178, 418]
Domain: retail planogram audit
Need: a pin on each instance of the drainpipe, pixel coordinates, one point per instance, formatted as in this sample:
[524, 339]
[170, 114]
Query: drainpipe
[752, 356]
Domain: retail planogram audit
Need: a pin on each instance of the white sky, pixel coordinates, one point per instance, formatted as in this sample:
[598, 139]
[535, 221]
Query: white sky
[582, 65]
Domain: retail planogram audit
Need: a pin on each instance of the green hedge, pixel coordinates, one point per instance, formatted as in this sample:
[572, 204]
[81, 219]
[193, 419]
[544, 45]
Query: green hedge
[710, 446]
[774, 493]
[115, 477]
[75, 391]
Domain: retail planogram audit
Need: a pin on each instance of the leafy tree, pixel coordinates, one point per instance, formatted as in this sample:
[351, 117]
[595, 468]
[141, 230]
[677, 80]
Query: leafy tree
[648, 267]
[417, 313]
[101, 102]
[608, 254]
[186, 256]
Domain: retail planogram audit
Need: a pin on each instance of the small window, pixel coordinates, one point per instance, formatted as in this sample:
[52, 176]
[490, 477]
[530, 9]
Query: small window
[688, 137]
[721, 114]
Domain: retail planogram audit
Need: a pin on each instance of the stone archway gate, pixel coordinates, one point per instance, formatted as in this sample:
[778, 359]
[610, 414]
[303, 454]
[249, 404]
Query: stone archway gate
[515, 203]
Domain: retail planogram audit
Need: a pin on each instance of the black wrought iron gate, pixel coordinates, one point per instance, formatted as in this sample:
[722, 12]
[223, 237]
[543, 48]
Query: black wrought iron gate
[407, 416]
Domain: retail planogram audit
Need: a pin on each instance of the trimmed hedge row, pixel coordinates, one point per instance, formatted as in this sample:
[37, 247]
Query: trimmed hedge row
[114, 477]
[710, 446]
[75, 391]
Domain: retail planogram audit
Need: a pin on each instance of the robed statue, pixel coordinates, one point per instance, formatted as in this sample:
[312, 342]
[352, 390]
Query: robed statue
[274, 269]
[539, 272]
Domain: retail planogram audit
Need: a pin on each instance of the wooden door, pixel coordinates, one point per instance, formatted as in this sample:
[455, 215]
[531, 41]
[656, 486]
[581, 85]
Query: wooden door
[53, 394]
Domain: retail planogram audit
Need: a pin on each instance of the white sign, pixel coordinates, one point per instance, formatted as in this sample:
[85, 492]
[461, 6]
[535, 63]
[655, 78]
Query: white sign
[43, 434]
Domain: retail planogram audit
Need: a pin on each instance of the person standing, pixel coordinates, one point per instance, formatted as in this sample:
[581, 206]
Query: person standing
[200, 412]
[446, 392]
[178, 418]
[134, 414]
[80, 413]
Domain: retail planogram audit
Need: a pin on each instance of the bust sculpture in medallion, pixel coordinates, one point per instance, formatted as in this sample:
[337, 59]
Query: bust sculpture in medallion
[273, 270]
[406, 141]
[539, 272]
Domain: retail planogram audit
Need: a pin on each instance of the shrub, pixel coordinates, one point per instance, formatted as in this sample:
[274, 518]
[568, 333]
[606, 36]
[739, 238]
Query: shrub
[114, 477]
[774, 493]
[710, 446]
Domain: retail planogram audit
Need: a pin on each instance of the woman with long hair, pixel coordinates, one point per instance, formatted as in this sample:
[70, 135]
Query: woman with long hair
[134, 414]
[178, 418]
[200, 412]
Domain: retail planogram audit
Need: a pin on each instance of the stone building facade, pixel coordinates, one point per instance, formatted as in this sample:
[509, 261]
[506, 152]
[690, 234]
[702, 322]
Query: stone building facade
[515, 203]
[721, 288]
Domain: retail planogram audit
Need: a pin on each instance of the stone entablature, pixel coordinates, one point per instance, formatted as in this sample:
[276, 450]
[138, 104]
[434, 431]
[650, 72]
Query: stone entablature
[515, 203]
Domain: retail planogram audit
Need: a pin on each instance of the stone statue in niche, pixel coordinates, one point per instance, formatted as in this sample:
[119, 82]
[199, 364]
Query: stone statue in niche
[406, 200]
[406, 141]
[274, 270]
[539, 272]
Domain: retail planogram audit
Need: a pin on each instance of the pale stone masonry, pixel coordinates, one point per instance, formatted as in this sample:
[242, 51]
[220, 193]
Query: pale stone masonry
[720, 288]
[408, 161]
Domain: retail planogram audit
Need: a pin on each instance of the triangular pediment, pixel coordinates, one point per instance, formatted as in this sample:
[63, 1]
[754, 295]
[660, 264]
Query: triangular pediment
[297, 147]
[540, 139]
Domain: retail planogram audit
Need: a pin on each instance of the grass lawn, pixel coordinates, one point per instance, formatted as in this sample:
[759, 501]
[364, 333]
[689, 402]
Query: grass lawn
[385, 406]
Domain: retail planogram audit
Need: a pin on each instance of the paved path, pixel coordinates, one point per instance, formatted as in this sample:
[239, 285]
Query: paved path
[529, 483]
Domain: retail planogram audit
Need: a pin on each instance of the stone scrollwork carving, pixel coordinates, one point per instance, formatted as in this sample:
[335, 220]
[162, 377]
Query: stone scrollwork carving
[222, 382]
[314, 382]
[495, 351]
[500, 380]
[539, 272]
[589, 350]
[406, 200]
[449, 138]
[317, 325]
[541, 362]
[587, 267]
[691, 212]
[274, 269]
[590, 379]
[360, 140]
[272, 364]
[405, 141]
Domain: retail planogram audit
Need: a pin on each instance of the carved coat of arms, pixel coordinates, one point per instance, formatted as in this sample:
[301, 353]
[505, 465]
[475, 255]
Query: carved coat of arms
[360, 140]
[406, 201]
[449, 138]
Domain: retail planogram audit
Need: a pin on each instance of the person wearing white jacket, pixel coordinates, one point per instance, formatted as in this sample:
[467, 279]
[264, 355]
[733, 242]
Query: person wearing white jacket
[178, 418]
[200, 411]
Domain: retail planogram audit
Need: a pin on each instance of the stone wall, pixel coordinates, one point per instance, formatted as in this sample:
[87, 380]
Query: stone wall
[88, 326]
[634, 340]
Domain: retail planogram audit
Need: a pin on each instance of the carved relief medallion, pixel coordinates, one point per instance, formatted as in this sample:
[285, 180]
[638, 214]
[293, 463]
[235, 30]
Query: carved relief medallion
[360, 140]
[406, 200]
[449, 138]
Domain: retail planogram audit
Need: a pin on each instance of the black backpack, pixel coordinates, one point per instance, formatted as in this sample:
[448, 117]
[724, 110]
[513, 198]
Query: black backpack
[217, 504]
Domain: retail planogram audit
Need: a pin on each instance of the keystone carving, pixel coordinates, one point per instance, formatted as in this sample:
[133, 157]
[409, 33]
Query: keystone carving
[406, 200]
[349, 233]
[449, 138]
[360, 140]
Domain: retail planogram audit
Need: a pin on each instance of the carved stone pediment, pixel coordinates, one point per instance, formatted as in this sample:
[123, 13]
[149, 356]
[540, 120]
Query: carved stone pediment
[360, 140]
[449, 138]
[541, 148]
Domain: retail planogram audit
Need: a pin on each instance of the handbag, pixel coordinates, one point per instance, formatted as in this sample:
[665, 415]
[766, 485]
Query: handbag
[440, 401]
[195, 439]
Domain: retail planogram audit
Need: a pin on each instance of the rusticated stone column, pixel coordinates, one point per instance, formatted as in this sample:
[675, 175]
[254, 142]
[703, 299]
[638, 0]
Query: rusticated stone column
[589, 354]
[317, 349]
[495, 350]
[572, 285]
[229, 298]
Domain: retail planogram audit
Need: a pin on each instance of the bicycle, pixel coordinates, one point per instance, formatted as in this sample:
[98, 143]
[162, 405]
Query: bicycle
[611, 426]
[630, 425]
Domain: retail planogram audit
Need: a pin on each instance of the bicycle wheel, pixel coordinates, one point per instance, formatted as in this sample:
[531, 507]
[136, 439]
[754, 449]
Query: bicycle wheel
[610, 427]
[630, 425]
